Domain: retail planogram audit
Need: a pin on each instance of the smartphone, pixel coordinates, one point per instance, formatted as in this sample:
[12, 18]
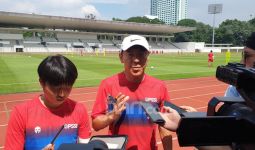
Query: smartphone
[152, 113]
[175, 107]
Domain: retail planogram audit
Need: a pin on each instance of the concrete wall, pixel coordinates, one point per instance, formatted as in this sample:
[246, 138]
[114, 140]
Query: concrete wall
[46, 49]
[76, 36]
[186, 46]
[11, 36]
[214, 49]
[7, 50]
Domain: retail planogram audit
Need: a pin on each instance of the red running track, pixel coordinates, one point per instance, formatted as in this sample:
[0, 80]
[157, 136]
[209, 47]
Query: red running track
[195, 92]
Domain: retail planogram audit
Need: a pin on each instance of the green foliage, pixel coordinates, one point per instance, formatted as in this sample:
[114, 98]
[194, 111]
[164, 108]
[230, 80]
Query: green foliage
[183, 37]
[144, 20]
[187, 23]
[156, 21]
[233, 31]
[141, 20]
[187, 36]
[116, 19]
[201, 34]
[138, 19]
[252, 21]
[229, 32]
[28, 34]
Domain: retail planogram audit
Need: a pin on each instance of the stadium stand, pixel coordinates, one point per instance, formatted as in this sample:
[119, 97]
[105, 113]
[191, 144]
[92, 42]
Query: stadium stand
[66, 34]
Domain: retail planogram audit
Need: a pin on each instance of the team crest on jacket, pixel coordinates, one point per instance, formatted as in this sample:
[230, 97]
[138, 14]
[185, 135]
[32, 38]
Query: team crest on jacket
[151, 99]
[37, 129]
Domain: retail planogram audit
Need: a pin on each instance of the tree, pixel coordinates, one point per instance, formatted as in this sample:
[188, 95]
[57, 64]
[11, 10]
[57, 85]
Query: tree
[116, 19]
[233, 31]
[187, 23]
[182, 37]
[138, 19]
[201, 34]
[90, 16]
[28, 34]
[187, 36]
[252, 21]
[141, 20]
[156, 21]
[229, 32]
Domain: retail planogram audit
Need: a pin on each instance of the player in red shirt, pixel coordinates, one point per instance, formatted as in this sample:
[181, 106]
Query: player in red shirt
[126, 116]
[33, 124]
[210, 58]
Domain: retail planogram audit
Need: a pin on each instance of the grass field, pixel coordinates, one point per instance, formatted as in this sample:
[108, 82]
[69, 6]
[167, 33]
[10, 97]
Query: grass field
[18, 72]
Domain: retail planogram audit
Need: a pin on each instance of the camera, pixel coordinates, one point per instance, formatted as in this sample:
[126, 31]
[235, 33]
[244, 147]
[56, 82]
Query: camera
[228, 120]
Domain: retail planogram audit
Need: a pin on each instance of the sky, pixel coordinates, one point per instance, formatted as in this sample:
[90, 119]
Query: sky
[107, 9]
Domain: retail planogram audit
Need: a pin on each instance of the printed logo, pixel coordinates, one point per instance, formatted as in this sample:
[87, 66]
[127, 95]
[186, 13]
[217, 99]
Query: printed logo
[153, 100]
[37, 129]
[71, 126]
[134, 40]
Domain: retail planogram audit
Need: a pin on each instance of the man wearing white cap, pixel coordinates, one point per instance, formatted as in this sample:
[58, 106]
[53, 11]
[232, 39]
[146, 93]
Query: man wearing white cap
[124, 115]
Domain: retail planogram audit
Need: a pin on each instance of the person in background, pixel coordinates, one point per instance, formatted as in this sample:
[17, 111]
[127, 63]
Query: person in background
[124, 115]
[210, 59]
[227, 56]
[248, 58]
[33, 124]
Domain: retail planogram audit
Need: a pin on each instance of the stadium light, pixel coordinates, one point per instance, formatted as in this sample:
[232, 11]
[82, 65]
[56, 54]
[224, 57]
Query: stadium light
[214, 9]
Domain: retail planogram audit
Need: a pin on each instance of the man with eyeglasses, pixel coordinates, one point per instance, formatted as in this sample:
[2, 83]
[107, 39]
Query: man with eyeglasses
[124, 115]
[248, 58]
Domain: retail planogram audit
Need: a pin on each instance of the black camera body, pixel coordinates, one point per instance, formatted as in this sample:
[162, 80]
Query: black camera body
[242, 78]
[233, 123]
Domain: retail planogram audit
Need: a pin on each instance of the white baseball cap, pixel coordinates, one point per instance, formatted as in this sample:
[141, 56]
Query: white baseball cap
[132, 40]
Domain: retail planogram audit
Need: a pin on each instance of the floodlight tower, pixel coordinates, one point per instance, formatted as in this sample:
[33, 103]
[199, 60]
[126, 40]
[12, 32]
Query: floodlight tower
[214, 9]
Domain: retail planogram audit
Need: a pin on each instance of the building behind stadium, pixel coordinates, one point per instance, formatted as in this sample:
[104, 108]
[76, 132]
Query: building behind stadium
[169, 11]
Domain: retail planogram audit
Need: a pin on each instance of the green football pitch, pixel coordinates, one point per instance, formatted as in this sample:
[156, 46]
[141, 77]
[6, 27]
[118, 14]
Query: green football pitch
[18, 72]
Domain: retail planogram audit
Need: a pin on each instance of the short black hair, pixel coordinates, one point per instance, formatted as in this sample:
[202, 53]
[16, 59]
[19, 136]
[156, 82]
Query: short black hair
[57, 70]
[250, 42]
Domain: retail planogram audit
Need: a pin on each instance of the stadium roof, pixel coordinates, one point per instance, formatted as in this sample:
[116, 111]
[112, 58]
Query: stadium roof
[68, 23]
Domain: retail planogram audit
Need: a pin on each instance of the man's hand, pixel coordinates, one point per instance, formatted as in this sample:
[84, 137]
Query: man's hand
[119, 106]
[49, 147]
[188, 108]
[103, 121]
[171, 117]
